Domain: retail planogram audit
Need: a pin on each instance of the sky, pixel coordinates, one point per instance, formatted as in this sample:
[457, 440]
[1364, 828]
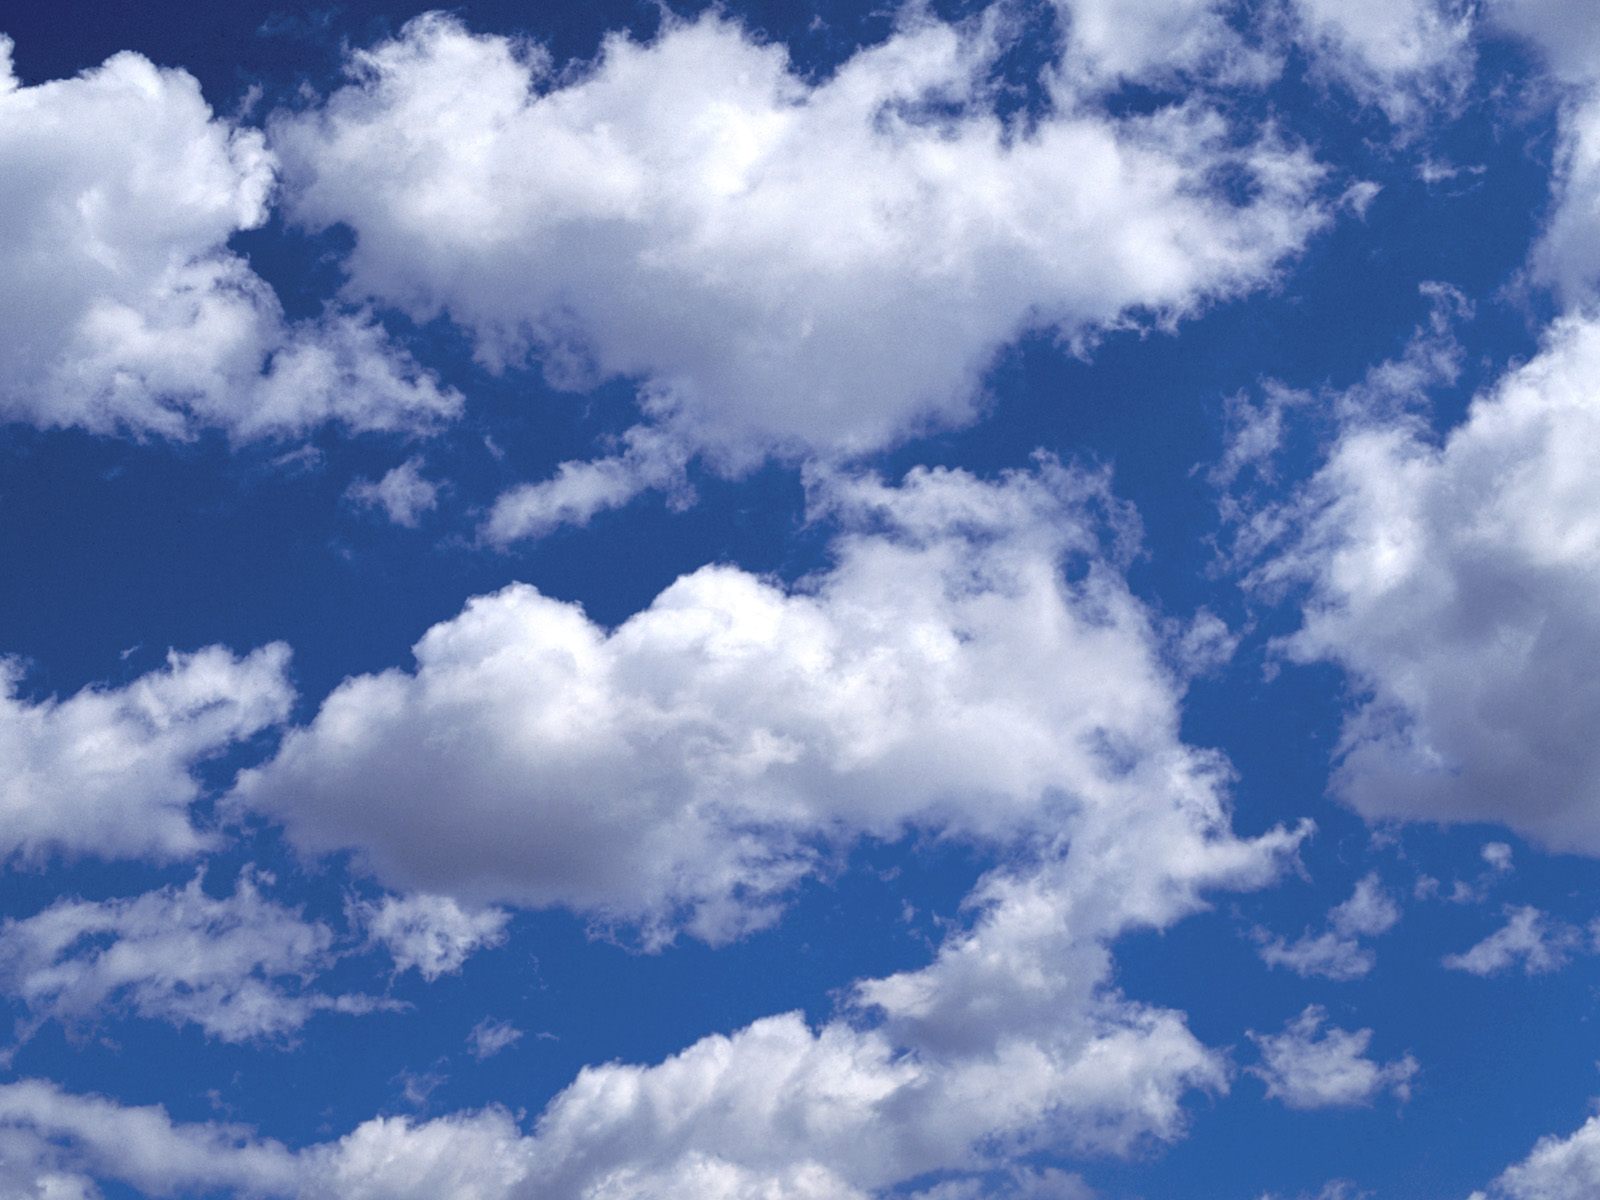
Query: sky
[793, 601]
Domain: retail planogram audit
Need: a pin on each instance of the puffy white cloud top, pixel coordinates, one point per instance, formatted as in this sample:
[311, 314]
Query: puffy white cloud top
[237, 966]
[125, 310]
[110, 771]
[786, 266]
[1455, 583]
[1309, 1065]
[683, 767]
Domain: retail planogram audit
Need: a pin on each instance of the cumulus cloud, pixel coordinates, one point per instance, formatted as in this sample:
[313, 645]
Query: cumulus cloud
[109, 771]
[1013, 1038]
[580, 490]
[54, 1145]
[1556, 1169]
[1498, 856]
[683, 768]
[403, 494]
[786, 267]
[489, 1037]
[1564, 34]
[236, 966]
[1337, 953]
[1562, 30]
[1453, 583]
[971, 662]
[124, 309]
[1528, 937]
[431, 934]
[1567, 256]
[1310, 1066]
[1404, 56]
[1109, 42]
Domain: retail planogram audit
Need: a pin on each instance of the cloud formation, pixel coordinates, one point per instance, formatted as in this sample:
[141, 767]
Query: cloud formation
[786, 267]
[682, 769]
[236, 966]
[431, 934]
[109, 771]
[124, 309]
[1314, 1065]
[1452, 581]
[1556, 1169]
[1529, 938]
[1407, 57]
[403, 493]
[1337, 953]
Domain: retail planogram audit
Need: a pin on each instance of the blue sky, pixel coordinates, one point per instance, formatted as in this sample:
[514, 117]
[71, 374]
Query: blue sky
[800, 602]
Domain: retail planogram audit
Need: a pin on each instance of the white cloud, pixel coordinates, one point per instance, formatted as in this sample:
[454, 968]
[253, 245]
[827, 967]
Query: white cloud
[1498, 856]
[51, 1142]
[236, 966]
[1565, 33]
[432, 934]
[1113, 41]
[580, 490]
[110, 771]
[1567, 255]
[1370, 911]
[943, 672]
[1337, 953]
[681, 768]
[1453, 583]
[489, 1037]
[1309, 1066]
[1405, 56]
[787, 267]
[403, 494]
[125, 311]
[469, 1156]
[1329, 955]
[1529, 937]
[1013, 1038]
[1556, 1169]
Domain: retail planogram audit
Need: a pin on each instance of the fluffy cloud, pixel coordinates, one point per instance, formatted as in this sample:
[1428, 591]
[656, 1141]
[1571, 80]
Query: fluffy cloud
[1564, 33]
[1567, 255]
[403, 494]
[1562, 30]
[237, 966]
[1308, 1066]
[971, 662]
[1454, 584]
[125, 311]
[1338, 953]
[432, 934]
[578, 490]
[51, 1142]
[1528, 937]
[787, 267]
[489, 1036]
[1557, 1169]
[1115, 41]
[1012, 1038]
[1405, 56]
[682, 767]
[109, 771]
